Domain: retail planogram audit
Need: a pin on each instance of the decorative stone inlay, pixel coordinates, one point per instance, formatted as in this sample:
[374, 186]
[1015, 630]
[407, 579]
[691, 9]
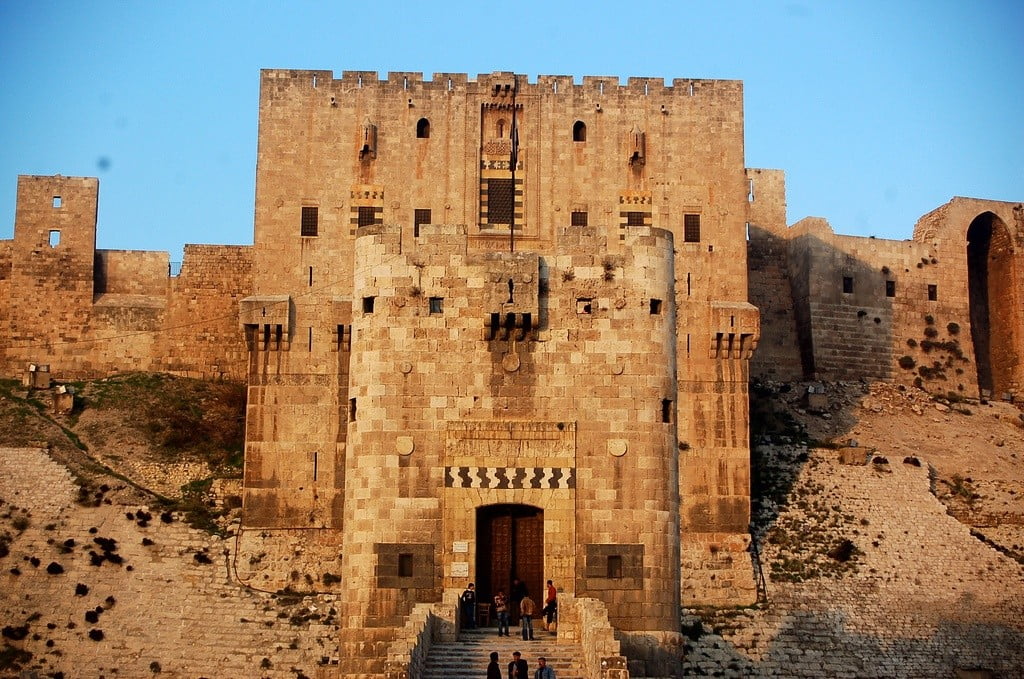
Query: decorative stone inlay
[510, 477]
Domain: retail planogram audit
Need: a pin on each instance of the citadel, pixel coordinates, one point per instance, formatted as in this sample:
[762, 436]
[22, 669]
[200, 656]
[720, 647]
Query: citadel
[497, 329]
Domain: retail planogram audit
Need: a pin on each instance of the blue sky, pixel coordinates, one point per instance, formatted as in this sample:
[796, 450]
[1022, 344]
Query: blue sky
[877, 111]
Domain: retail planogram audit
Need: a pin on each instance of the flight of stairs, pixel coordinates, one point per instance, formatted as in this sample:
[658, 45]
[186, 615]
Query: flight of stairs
[468, 657]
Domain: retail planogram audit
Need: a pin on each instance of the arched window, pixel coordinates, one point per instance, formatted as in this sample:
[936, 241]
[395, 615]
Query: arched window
[423, 129]
[579, 131]
[501, 128]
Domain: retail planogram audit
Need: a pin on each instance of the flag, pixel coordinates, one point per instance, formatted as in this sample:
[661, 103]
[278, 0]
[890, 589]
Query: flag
[514, 156]
[513, 160]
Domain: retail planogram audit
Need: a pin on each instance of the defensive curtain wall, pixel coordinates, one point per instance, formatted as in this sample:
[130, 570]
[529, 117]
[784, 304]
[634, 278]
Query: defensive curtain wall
[943, 311]
[88, 312]
[433, 401]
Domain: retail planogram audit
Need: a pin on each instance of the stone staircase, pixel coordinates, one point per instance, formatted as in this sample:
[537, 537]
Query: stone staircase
[468, 657]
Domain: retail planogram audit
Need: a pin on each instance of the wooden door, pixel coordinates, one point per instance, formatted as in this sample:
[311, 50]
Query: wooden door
[528, 552]
[510, 544]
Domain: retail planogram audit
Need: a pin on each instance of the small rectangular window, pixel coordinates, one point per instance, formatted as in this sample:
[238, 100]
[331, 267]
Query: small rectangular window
[655, 306]
[365, 216]
[584, 305]
[614, 566]
[54, 238]
[436, 305]
[578, 218]
[691, 228]
[847, 285]
[56, 201]
[420, 216]
[368, 304]
[352, 410]
[933, 292]
[634, 219]
[405, 565]
[666, 410]
[310, 221]
[890, 288]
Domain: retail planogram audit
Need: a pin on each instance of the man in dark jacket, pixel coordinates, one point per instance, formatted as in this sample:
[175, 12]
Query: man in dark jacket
[468, 603]
[493, 668]
[517, 669]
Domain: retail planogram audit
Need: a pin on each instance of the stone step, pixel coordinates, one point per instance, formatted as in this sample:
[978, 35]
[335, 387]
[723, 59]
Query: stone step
[469, 656]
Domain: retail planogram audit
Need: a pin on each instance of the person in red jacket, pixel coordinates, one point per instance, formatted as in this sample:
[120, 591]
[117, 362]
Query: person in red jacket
[550, 604]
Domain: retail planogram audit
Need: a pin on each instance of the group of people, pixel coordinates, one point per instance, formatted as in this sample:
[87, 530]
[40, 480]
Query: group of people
[519, 669]
[519, 603]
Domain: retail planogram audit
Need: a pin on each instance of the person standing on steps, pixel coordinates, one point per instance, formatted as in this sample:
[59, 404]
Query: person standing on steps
[468, 603]
[527, 608]
[501, 609]
[518, 669]
[516, 595]
[550, 604]
[493, 668]
[543, 671]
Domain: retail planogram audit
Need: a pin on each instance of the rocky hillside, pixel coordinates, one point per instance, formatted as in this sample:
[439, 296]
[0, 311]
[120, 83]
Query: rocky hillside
[138, 438]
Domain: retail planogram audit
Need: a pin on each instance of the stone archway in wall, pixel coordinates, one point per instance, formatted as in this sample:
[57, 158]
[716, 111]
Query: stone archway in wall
[510, 544]
[990, 277]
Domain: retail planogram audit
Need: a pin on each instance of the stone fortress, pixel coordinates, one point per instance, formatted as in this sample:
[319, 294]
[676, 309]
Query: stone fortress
[436, 397]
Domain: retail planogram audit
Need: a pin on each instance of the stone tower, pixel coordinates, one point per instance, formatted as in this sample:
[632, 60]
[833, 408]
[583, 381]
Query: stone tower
[434, 399]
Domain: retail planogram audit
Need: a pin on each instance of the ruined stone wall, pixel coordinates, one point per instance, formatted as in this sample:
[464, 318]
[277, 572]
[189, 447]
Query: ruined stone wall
[88, 312]
[895, 310]
[994, 326]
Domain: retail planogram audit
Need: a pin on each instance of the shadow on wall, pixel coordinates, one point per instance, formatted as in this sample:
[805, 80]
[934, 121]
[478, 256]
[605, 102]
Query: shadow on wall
[940, 312]
[826, 314]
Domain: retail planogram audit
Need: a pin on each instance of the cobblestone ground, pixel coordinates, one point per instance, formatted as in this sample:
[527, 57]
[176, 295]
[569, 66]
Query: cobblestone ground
[919, 596]
[90, 592]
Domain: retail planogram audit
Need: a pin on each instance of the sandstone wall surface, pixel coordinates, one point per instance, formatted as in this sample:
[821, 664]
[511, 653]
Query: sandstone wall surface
[910, 311]
[88, 312]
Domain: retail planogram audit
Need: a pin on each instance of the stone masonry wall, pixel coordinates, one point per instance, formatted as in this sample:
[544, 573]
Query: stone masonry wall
[768, 278]
[131, 272]
[892, 310]
[89, 312]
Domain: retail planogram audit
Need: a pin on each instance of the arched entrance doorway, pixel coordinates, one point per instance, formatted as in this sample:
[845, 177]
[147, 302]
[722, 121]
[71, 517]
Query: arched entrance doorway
[990, 279]
[510, 544]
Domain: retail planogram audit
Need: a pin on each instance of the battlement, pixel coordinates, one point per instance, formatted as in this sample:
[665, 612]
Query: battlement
[592, 85]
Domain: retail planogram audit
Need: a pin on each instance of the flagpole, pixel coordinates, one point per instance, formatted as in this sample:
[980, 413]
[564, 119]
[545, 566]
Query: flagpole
[513, 161]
